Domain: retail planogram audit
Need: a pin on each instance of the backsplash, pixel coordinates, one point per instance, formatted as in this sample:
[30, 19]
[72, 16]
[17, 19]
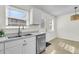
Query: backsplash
[15, 30]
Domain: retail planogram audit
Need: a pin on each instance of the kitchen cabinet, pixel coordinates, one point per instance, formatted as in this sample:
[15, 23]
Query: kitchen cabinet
[26, 45]
[29, 45]
[13, 47]
[13, 50]
[2, 52]
[1, 48]
[42, 18]
[36, 16]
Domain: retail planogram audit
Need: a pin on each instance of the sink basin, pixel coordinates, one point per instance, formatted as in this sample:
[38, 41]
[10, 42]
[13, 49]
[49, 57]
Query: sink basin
[27, 34]
[19, 36]
[14, 36]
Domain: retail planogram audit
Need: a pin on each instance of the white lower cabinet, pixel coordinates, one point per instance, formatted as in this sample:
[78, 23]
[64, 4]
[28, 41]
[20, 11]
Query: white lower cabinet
[29, 45]
[13, 50]
[1, 48]
[13, 47]
[2, 52]
[25, 45]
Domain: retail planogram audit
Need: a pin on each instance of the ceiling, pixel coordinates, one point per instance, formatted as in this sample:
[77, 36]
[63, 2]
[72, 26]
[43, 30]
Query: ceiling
[57, 10]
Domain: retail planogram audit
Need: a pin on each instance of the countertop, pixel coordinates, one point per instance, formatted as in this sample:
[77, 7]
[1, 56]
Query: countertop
[37, 33]
[6, 39]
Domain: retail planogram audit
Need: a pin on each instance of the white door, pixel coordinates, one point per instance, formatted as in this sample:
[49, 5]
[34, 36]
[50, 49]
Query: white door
[13, 47]
[29, 46]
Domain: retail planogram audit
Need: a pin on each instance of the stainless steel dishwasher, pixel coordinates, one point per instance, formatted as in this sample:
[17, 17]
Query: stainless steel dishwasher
[40, 43]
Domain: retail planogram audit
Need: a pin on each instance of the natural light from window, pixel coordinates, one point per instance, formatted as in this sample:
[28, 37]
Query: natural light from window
[15, 17]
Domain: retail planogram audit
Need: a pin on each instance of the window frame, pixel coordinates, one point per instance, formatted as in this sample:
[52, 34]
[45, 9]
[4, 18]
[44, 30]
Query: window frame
[51, 25]
[19, 9]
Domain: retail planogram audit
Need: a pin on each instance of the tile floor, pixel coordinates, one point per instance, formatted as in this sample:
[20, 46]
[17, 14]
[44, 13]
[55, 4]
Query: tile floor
[62, 46]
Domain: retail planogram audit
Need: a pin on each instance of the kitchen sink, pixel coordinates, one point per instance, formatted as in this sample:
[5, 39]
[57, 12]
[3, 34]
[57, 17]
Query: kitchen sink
[27, 34]
[14, 36]
[20, 36]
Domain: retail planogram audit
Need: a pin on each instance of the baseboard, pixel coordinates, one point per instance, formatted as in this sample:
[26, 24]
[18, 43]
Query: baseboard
[51, 39]
[66, 39]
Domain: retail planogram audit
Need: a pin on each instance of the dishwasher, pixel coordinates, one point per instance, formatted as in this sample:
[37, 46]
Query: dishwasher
[40, 43]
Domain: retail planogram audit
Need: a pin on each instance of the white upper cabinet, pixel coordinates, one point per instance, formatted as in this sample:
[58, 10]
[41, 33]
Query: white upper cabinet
[45, 20]
[36, 16]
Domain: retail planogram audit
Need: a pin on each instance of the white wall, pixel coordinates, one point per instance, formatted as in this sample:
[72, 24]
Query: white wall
[2, 16]
[67, 29]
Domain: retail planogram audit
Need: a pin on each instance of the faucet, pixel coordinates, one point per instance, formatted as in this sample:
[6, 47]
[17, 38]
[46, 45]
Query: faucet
[19, 30]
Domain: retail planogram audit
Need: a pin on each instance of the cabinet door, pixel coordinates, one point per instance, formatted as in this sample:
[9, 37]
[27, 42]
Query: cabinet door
[2, 52]
[1, 48]
[13, 47]
[14, 50]
[29, 46]
[36, 16]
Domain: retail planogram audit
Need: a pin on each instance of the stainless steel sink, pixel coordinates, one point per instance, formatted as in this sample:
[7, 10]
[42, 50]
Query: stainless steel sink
[27, 34]
[14, 36]
[20, 36]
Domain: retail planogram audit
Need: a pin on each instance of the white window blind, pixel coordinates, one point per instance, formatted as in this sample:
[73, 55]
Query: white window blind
[16, 16]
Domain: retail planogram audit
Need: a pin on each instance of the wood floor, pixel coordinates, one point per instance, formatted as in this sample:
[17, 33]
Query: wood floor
[62, 46]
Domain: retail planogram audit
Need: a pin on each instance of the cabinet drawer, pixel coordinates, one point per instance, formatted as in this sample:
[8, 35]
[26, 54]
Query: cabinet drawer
[13, 43]
[29, 39]
[1, 46]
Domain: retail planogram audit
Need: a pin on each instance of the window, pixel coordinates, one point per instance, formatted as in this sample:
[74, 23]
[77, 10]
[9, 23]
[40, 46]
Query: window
[16, 16]
[51, 25]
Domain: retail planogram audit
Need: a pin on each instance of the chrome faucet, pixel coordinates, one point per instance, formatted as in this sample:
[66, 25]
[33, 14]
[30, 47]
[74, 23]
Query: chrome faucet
[19, 31]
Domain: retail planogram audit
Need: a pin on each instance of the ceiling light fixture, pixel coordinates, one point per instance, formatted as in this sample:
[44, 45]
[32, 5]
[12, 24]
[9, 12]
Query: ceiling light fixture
[76, 16]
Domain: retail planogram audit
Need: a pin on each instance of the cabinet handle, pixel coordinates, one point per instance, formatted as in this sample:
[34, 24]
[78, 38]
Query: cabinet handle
[24, 44]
